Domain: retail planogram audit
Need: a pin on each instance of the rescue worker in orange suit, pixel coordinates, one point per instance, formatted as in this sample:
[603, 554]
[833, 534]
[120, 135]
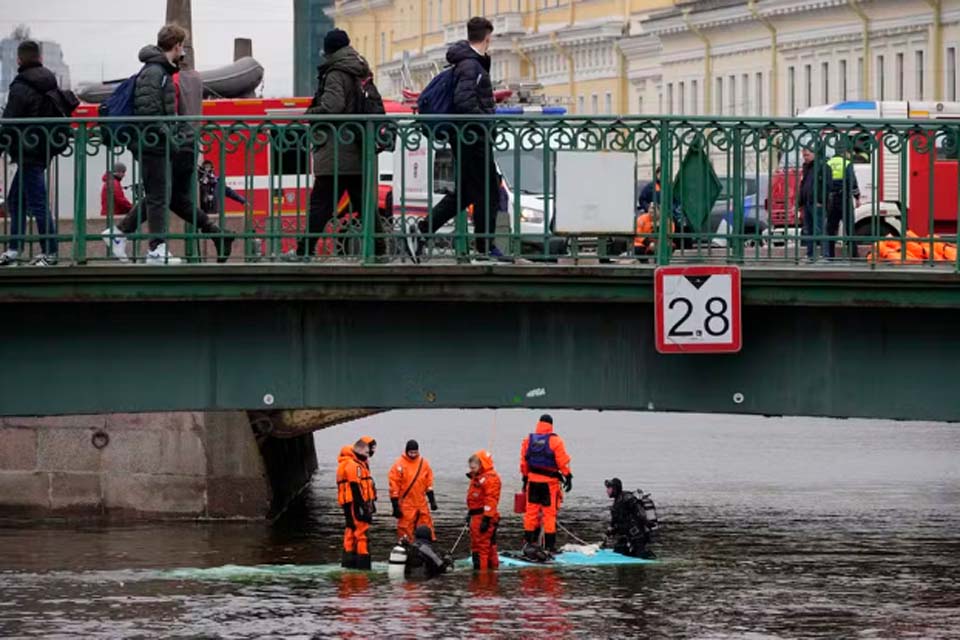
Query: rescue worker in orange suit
[411, 487]
[355, 493]
[544, 463]
[483, 500]
[372, 446]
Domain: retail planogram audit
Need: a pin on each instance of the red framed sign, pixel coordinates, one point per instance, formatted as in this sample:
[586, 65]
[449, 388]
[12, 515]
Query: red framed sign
[697, 309]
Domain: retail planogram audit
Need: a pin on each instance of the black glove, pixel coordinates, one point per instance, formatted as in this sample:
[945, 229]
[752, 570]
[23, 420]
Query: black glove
[348, 515]
[484, 524]
[524, 484]
[396, 507]
[568, 482]
[466, 519]
[363, 512]
[433, 501]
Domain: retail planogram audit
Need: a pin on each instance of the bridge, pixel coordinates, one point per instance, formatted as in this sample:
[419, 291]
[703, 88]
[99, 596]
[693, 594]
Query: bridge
[563, 320]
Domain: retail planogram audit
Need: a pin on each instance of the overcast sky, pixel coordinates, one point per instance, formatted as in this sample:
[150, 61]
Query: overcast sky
[101, 38]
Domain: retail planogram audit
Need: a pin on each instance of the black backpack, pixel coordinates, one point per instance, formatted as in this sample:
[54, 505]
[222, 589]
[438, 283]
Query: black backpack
[57, 103]
[370, 102]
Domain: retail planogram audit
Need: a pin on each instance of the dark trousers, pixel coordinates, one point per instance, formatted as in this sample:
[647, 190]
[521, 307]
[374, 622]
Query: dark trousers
[836, 213]
[812, 226]
[157, 171]
[28, 194]
[477, 184]
[323, 206]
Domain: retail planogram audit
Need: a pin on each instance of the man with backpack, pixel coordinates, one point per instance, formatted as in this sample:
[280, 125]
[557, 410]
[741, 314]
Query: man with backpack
[344, 86]
[470, 93]
[34, 93]
[166, 151]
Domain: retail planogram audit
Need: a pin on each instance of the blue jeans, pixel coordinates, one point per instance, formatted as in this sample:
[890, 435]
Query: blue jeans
[34, 201]
[813, 226]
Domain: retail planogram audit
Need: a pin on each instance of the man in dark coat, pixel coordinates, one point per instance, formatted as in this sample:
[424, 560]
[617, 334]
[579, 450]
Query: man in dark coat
[166, 152]
[338, 149]
[629, 532]
[29, 150]
[812, 193]
[477, 179]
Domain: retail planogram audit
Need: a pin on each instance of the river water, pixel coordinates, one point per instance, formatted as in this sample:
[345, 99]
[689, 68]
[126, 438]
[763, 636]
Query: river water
[773, 528]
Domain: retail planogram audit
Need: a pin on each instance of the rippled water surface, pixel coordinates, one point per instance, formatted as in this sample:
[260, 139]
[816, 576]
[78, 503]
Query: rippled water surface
[773, 528]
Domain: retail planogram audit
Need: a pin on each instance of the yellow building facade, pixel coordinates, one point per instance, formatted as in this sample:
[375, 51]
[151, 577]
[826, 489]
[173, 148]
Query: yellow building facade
[570, 48]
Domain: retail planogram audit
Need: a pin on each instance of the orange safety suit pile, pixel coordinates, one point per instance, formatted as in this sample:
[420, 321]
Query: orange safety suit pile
[483, 499]
[543, 463]
[356, 494]
[916, 250]
[411, 485]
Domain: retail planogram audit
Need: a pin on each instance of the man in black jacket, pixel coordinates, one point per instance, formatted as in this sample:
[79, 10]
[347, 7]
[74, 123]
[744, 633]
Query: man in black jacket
[476, 173]
[29, 149]
[812, 193]
[166, 152]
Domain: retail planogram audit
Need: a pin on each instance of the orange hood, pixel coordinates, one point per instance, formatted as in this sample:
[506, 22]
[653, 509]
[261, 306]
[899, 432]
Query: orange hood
[544, 427]
[347, 453]
[486, 460]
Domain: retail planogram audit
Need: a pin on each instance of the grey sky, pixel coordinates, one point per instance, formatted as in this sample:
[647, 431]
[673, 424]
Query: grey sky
[100, 38]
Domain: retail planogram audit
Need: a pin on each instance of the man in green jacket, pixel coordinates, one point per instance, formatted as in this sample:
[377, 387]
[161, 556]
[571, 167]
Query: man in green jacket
[338, 160]
[166, 153]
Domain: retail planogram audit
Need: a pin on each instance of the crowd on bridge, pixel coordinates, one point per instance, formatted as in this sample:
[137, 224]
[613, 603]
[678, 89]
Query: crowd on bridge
[545, 470]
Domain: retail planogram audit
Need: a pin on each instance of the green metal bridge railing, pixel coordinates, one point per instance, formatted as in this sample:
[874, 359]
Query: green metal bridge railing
[732, 185]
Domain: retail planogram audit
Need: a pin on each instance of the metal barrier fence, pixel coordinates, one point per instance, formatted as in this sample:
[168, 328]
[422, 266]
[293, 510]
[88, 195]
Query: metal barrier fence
[321, 188]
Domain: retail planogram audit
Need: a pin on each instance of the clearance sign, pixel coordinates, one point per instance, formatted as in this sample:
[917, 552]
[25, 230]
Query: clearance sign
[697, 309]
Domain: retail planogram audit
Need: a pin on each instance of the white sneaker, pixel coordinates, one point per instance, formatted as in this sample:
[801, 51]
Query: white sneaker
[42, 260]
[8, 257]
[160, 255]
[118, 245]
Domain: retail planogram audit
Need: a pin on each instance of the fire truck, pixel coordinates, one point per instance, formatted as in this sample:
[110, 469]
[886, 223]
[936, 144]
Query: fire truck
[888, 204]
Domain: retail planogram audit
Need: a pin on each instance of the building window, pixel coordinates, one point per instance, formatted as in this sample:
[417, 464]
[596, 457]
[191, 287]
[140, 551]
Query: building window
[660, 102]
[758, 91]
[792, 90]
[639, 105]
[595, 104]
[681, 98]
[881, 85]
[670, 97]
[861, 90]
[952, 74]
[694, 98]
[825, 82]
[719, 97]
[440, 14]
[608, 100]
[383, 47]
[920, 71]
[843, 80]
[745, 91]
[580, 105]
[807, 86]
[732, 95]
[898, 64]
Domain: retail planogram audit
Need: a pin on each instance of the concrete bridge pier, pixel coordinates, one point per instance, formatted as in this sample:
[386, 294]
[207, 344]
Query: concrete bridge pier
[165, 465]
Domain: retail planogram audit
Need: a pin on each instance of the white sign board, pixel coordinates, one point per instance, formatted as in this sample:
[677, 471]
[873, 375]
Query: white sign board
[697, 309]
[595, 192]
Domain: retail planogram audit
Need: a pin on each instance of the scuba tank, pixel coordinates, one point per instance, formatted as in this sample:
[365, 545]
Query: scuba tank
[397, 562]
[649, 509]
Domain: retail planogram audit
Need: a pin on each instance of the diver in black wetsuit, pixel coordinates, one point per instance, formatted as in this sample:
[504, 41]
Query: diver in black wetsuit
[629, 532]
[422, 561]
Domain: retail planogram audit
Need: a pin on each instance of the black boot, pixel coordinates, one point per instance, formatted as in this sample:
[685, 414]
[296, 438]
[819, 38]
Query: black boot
[529, 536]
[363, 561]
[349, 560]
[476, 561]
[550, 541]
[224, 243]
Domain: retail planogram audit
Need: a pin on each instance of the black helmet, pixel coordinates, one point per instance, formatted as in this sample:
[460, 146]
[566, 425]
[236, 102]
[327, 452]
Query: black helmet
[616, 484]
[423, 532]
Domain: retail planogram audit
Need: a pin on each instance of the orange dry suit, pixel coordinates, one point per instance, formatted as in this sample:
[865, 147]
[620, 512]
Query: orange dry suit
[543, 463]
[483, 499]
[356, 494]
[411, 486]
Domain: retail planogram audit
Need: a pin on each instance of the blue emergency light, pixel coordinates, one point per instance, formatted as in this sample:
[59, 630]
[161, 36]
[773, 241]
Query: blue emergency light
[517, 110]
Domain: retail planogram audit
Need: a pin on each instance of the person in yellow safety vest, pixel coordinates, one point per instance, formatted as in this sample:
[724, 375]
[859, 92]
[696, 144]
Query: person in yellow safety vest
[844, 190]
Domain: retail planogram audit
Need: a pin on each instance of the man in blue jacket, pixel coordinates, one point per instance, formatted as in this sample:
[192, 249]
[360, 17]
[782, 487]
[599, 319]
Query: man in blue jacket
[477, 179]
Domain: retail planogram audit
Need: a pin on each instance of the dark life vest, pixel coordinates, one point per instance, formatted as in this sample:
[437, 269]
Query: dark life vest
[540, 457]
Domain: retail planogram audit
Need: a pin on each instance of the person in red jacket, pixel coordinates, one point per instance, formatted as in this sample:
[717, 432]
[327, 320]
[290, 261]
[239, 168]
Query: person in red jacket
[544, 462]
[111, 195]
[483, 500]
